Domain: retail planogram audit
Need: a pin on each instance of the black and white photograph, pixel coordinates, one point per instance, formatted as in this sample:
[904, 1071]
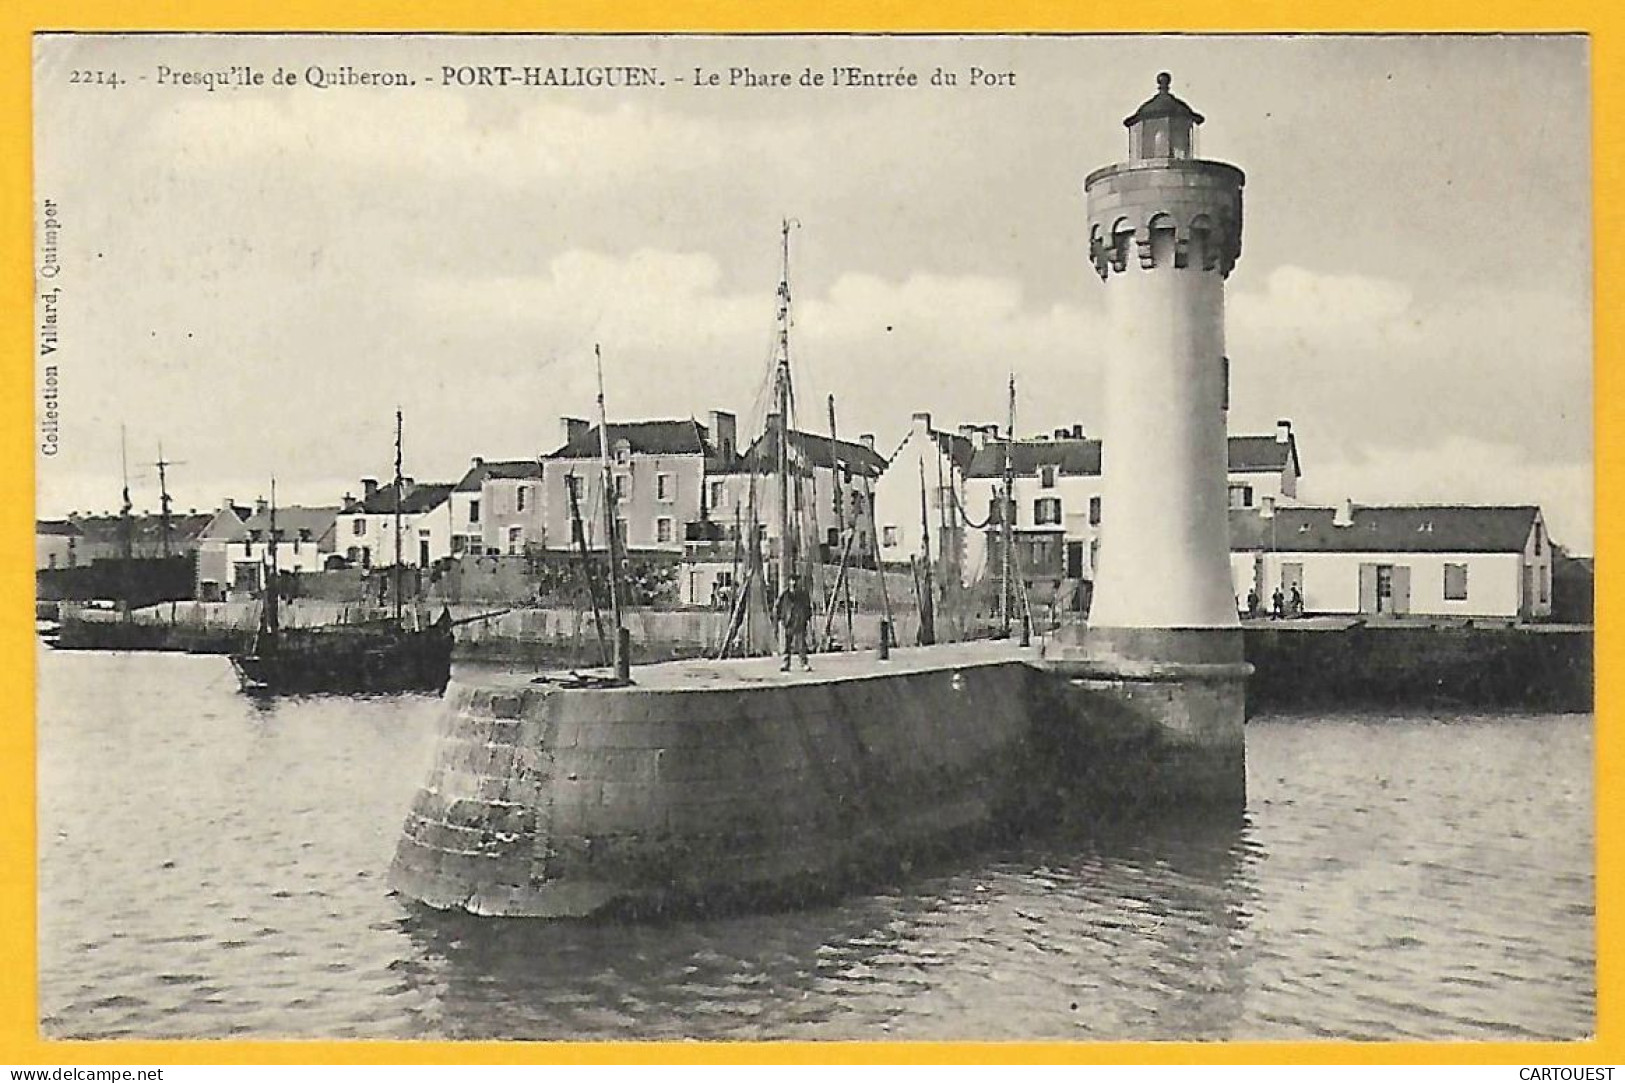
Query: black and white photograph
[844, 537]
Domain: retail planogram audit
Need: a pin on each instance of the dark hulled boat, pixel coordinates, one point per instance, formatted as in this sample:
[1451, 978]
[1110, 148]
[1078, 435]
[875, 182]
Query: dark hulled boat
[377, 656]
[385, 655]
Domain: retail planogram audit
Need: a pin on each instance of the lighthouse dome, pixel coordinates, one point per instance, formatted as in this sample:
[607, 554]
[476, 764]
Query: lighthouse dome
[1163, 126]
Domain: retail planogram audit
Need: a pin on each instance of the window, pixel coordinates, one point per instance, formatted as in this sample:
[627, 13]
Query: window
[1094, 511]
[1545, 584]
[857, 503]
[1538, 544]
[1047, 509]
[1046, 477]
[622, 533]
[716, 494]
[520, 496]
[623, 486]
[473, 511]
[52, 559]
[516, 539]
[366, 556]
[1241, 496]
[358, 526]
[665, 487]
[575, 532]
[888, 536]
[662, 530]
[1455, 582]
[458, 543]
[572, 486]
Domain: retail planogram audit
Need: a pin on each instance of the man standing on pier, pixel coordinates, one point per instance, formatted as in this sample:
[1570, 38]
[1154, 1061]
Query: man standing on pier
[794, 612]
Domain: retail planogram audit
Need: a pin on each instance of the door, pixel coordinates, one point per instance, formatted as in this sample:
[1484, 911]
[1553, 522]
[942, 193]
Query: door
[1401, 590]
[1385, 588]
[1368, 588]
[1074, 560]
[1292, 588]
[423, 552]
[1526, 601]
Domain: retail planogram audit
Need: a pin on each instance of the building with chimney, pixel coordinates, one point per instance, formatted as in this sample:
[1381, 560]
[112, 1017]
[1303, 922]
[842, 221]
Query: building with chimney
[1059, 505]
[1394, 561]
[497, 508]
[660, 469]
[366, 529]
[923, 486]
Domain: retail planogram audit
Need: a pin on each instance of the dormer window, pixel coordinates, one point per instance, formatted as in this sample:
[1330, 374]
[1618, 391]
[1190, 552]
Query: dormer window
[622, 450]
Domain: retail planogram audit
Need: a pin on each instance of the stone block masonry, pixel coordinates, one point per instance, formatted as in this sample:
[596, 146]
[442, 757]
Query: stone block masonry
[723, 784]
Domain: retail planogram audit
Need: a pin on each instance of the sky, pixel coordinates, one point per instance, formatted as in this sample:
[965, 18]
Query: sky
[257, 276]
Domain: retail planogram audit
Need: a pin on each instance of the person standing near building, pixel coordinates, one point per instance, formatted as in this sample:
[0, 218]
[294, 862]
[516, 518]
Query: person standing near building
[793, 611]
[1278, 604]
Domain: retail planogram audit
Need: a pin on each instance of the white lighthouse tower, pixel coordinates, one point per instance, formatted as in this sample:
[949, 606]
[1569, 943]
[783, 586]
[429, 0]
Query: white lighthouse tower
[1163, 637]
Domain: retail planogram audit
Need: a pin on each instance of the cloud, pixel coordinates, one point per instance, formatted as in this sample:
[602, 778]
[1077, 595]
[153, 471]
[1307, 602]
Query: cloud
[1459, 470]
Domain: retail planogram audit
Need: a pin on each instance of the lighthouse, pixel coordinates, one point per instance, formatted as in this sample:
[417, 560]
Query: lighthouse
[1163, 640]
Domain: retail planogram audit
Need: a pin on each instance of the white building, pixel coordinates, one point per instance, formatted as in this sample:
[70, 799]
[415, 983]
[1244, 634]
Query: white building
[1421, 560]
[304, 544]
[924, 483]
[366, 527]
[497, 508]
[1059, 504]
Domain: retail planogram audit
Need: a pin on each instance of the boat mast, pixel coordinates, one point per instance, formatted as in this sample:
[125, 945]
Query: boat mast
[163, 501]
[398, 485]
[126, 526]
[272, 579]
[622, 662]
[1007, 514]
[781, 394]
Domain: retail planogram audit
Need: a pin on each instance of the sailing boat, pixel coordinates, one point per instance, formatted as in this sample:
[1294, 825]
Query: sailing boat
[385, 655]
[791, 557]
[98, 630]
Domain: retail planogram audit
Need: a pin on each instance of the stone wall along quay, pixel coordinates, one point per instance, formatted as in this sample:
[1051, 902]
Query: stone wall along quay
[729, 783]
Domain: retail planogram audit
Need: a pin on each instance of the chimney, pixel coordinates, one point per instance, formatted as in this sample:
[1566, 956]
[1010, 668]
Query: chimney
[867, 440]
[1344, 515]
[261, 505]
[724, 432]
[1266, 507]
[1283, 431]
[922, 422]
[369, 488]
[571, 429]
[477, 462]
[976, 434]
[1077, 430]
[1063, 434]
[407, 485]
[226, 503]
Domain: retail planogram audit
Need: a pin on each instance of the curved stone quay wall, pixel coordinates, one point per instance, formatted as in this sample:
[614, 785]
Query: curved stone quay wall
[731, 784]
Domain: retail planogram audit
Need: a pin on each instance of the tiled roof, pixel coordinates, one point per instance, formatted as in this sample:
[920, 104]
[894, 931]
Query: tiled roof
[686, 437]
[1405, 528]
[959, 448]
[1248, 454]
[814, 448]
[146, 529]
[1075, 457]
[419, 498]
[512, 468]
[1262, 455]
[56, 527]
[292, 519]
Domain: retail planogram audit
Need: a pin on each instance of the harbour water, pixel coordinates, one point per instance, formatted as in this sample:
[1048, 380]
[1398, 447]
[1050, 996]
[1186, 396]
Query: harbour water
[213, 867]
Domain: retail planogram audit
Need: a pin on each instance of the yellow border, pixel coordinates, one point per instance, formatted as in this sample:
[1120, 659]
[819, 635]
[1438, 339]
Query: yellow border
[19, 1043]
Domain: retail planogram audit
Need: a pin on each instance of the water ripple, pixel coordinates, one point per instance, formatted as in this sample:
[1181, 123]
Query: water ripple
[213, 868]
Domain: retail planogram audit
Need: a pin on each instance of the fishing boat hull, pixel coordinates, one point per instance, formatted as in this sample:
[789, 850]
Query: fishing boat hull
[75, 634]
[345, 661]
